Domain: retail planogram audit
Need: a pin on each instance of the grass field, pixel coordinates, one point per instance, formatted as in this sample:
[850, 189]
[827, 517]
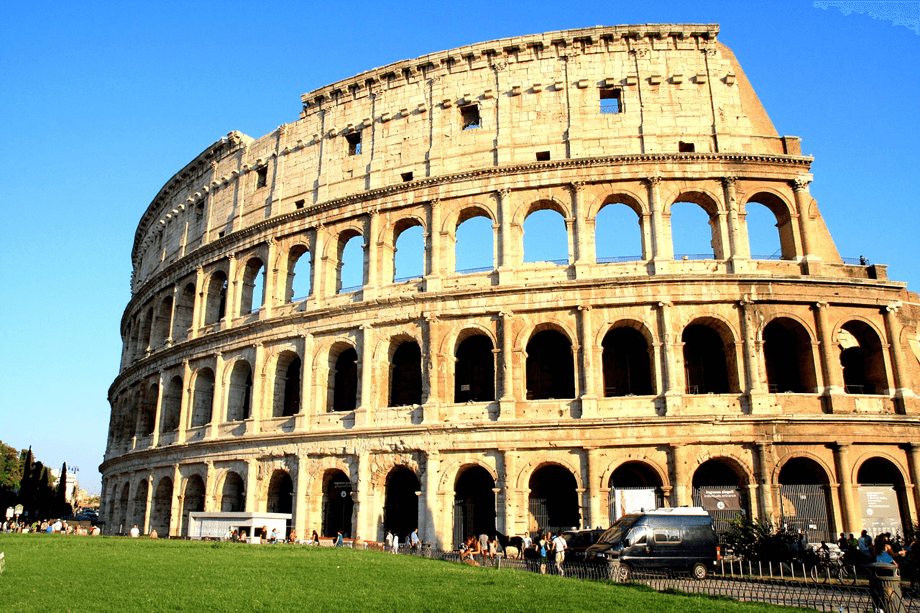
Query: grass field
[102, 574]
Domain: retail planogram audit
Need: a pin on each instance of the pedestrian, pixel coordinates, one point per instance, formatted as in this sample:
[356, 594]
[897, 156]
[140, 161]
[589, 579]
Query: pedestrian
[843, 543]
[542, 547]
[414, 540]
[559, 547]
[135, 532]
[153, 534]
[339, 541]
[388, 542]
[395, 543]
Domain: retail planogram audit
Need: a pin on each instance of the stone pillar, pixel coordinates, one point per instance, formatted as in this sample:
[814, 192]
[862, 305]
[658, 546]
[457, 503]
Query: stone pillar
[584, 254]
[175, 506]
[802, 201]
[258, 390]
[765, 468]
[682, 476]
[662, 249]
[898, 364]
[272, 286]
[514, 517]
[218, 402]
[372, 279]
[433, 280]
[234, 288]
[830, 361]
[669, 366]
[199, 307]
[594, 487]
[364, 412]
[252, 485]
[301, 497]
[432, 364]
[185, 402]
[586, 363]
[148, 505]
[318, 272]
[210, 497]
[849, 503]
[431, 500]
[507, 401]
[363, 499]
[158, 416]
[739, 249]
[506, 255]
[172, 316]
[304, 418]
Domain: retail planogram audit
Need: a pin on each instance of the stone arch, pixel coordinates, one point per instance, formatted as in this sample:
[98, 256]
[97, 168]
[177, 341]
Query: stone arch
[216, 295]
[232, 492]
[202, 397]
[465, 212]
[193, 499]
[550, 363]
[160, 331]
[635, 484]
[401, 501]
[384, 464]
[660, 472]
[287, 384]
[251, 275]
[337, 503]
[183, 320]
[293, 262]
[700, 196]
[712, 206]
[139, 517]
[451, 473]
[161, 506]
[788, 356]
[342, 385]
[886, 476]
[710, 356]
[405, 371]
[545, 202]
[781, 208]
[473, 502]
[321, 466]
[172, 404]
[628, 363]
[239, 389]
[553, 502]
[335, 250]
[611, 221]
[722, 473]
[820, 462]
[558, 234]
[894, 462]
[472, 233]
[862, 356]
[804, 497]
[621, 195]
[526, 472]
[473, 366]
[279, 492]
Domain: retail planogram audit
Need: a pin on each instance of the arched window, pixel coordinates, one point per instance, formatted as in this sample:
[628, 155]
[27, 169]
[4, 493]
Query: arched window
[252, 296]
[280, 498]
[550, 366]
[718, 487]
[474, 251]
[344, 379]
[338, 506]
[233, 494]
[804, 500]
[147, 417]
[862, 359]
[298, 285]
[406, 375]
[617, 233]
[409, 254]
[161, 323]
[705, 363]
[400, 507]
[788, 357]
[553, 500]
[202, 397]
[172, 403]
[239, 394]
[161, 509]
[192, 500]
[185, 309]
[216, 304]
[140, 505]
[144, 333]
[695, 232]
[769, 227]
[627, 363]
[351, 263]
[474, 503]
[546, 238]
[287, 385]
[474, 372]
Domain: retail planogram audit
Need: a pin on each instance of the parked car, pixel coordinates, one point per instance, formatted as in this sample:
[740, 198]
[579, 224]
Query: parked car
[578, 542]
[682, 539]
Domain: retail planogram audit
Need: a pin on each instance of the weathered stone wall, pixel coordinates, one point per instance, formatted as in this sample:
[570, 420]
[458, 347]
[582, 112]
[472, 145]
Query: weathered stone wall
[217, 387]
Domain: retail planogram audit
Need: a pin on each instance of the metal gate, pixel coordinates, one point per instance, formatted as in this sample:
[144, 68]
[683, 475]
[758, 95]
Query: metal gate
[722, 515]
[803, 509]
[539, 515]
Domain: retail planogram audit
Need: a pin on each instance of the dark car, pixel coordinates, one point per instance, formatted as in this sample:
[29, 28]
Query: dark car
[578, 542]
[682, 539]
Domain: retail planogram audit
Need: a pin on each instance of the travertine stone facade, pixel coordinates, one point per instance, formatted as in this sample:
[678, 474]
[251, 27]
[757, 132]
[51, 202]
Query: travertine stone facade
[528, 393]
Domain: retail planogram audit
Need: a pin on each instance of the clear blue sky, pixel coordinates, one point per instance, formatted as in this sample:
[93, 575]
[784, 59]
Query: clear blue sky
[102, 102]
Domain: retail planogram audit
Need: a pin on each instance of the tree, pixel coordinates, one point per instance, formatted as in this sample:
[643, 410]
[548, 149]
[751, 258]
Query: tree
[60, 496]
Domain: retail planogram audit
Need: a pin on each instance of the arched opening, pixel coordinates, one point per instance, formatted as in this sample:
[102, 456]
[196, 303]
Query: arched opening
[172, 404]
[216, 301]
[400, 509]
[406, 375]
[161, 323]
[161, 507]
[287, 385]
[861, 359]
[185, 309]
[233, 494]
[280, 496]
[634, 487]
[252, 296]
[298, 284]
[344, 380]
[617, 232]
[474, 504]
[474, 370]
[718, 488]
[803, 499]
[123, 518]
[192, 500]
[705, 360]
[143, 344]
[351, 263]
[788, 356]
[627, 363]
[550, 366]
[769, 227]
[147, 417]
[202, 397]
[409, 253]
[882, 497]
[474, 251]
[239, 392]
[546, 238]
[694, 231]
[338, 505]
[140, 505]
[553, 500]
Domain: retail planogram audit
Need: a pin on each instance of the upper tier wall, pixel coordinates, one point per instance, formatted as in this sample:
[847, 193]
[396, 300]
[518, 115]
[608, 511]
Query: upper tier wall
[537, 98]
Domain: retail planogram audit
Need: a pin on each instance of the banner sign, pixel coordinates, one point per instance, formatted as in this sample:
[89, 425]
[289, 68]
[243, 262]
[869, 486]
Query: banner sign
[720, 498]
[623, 502]
[880, 512]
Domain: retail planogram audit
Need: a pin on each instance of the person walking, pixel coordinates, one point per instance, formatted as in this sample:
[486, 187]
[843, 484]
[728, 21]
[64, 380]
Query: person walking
[542, 548]
[559, 547]
[388, 541]
[339, 540]
[414, 541]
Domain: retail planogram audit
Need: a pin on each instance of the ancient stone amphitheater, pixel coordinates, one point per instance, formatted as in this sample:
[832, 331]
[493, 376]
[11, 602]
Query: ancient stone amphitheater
[519, 394]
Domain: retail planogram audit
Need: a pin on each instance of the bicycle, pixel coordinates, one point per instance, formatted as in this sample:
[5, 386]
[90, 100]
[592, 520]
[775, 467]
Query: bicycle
[835, 567]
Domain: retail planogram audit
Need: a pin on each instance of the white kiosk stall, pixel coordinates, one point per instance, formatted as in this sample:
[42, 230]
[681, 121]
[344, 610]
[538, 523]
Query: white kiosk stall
[217, 525]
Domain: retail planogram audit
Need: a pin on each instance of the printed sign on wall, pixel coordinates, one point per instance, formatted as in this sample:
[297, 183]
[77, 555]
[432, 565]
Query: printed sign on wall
[880, 512]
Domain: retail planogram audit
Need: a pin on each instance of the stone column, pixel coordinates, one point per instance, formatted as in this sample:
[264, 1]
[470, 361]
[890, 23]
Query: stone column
[258, 390]
[199, 307]
[433, 280]
[586, 363]
[362, 499]
[234, 288]
[172, 316]
[593, 486]
[364, 412]
[318, 272]
[802, 201]
[185, 402]
[513, 516]
[301, 497]
[830, 361]
[432, 373]
[209, 485]
[158, 416]
[764, 467]
[372, 279]
[272, 286]
[304, 418]
[898, 364]
[430, 529]
[583, 252]
[507, 401]
[913, 462]
[662, 250]
[218, 403]
[506, 256]
[148, 505]
[673, 389]
[252, 485]
[175, 507]
[682, 484]
[751, 365]
[849, 503]
[739, 250]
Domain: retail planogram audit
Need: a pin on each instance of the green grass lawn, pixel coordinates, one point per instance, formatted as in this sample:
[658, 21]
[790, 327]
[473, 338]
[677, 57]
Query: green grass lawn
[101, 574]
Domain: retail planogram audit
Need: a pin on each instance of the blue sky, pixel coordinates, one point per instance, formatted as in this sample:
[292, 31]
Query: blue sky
[102, 102]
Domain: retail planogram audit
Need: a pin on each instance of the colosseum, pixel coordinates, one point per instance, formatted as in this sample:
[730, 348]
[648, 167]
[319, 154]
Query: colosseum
[517, 394]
